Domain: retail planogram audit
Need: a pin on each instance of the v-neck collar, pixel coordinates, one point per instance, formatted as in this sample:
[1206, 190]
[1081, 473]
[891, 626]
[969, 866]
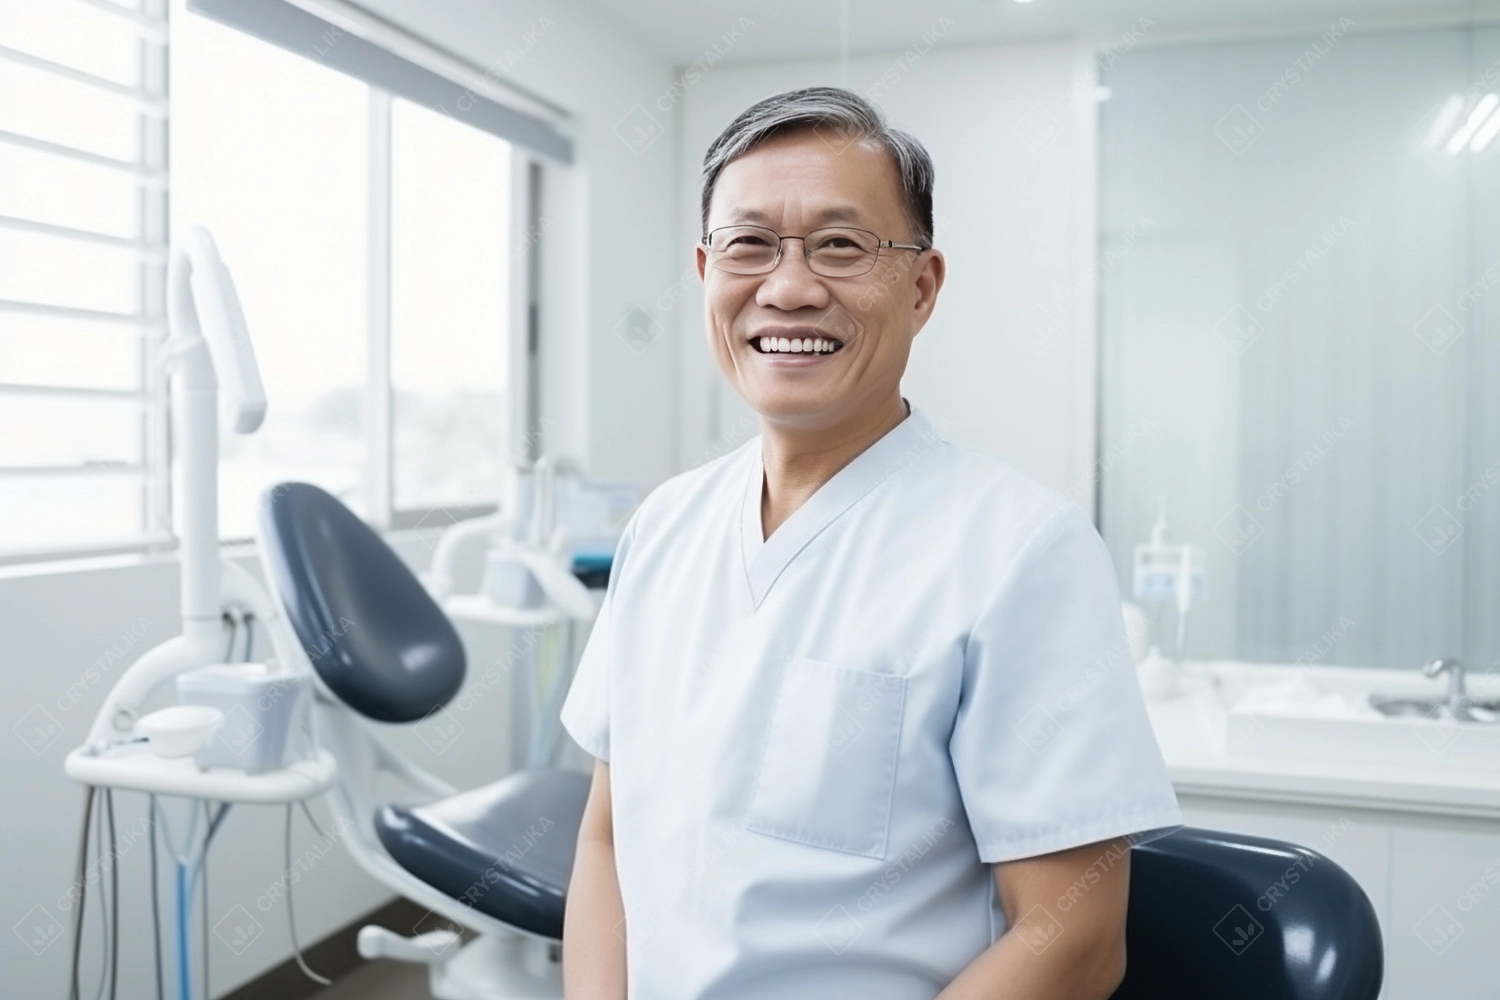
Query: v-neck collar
[766, 558]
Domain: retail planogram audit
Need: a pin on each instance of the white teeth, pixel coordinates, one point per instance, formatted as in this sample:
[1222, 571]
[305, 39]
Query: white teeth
[796, 345]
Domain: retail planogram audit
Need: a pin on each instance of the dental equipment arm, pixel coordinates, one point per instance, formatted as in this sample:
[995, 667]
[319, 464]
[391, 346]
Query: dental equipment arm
[221, 323]
[209, 341]
[439, 579]
[123, 705]
[524, 530]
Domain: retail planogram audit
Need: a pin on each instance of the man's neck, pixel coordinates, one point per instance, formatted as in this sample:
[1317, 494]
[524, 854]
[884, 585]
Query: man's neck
[798, 462]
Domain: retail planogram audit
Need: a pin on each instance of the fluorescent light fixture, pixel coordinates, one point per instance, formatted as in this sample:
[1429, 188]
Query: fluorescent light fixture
[1442, 123]
[1486, 132]
[1476, 118]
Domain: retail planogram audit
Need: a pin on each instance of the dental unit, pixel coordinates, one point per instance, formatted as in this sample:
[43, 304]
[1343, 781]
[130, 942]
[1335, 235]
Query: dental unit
[296, 724]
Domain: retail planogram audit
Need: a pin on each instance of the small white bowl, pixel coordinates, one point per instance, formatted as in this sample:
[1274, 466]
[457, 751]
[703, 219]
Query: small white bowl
[180, 730]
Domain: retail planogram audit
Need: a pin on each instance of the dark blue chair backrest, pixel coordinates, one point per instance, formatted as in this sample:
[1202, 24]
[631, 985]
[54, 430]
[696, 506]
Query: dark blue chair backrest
[374, 635]
[1235, 917]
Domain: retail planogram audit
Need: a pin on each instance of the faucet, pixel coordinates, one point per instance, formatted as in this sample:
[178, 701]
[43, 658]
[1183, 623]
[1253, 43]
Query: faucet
[1458, 698]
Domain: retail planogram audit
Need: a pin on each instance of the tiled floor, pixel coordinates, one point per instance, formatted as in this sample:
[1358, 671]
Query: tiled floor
[381, 981]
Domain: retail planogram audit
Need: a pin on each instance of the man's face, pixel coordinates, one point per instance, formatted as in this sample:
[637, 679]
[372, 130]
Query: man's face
[794, 184]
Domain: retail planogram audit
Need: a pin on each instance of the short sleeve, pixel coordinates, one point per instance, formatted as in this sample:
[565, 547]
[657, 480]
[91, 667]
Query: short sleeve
[585, 711]
[1052, 747]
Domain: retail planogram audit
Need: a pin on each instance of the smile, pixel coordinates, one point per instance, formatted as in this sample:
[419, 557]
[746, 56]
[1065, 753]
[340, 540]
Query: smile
[796, 345]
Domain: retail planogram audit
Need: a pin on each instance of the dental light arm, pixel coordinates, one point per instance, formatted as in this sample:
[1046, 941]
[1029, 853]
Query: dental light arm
[209, 343]
[220, 321]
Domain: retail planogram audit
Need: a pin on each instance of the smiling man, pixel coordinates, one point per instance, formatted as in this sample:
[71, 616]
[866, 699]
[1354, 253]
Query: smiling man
[865, 719]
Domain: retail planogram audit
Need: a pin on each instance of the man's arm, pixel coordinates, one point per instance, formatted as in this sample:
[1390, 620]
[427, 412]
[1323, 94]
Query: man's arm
[593, 956]
[1065, 914]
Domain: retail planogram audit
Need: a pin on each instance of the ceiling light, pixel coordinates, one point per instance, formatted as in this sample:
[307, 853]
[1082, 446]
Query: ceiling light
[1476, 118]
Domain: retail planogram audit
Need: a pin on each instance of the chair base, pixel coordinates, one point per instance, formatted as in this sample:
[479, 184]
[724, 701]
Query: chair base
[490, 967]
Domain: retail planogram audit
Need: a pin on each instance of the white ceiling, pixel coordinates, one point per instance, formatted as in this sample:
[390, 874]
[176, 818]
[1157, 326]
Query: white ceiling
[684, 30]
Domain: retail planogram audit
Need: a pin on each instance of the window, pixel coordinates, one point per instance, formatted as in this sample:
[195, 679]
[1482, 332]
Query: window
[270, 152]
[369, 238]
[82, 253]
[450, 223]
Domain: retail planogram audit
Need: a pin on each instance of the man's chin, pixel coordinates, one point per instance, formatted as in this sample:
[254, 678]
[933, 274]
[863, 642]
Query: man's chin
[793, 408]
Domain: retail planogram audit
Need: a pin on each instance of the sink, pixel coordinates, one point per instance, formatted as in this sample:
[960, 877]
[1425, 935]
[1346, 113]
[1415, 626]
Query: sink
[1387, 718]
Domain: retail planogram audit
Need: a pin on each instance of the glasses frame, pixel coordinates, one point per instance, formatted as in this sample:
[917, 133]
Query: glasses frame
[880, 245]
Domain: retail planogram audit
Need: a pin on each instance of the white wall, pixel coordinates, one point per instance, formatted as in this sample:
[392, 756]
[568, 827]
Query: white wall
[1015, 217]
[608, 219]
[605, 402]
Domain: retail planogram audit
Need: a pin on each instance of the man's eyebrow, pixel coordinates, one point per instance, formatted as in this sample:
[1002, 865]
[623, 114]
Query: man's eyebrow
[838, 213]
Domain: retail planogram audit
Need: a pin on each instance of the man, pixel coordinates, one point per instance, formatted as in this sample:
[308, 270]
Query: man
[865, 720]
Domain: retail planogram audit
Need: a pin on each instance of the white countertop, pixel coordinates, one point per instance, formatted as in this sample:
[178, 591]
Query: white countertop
[1191, 730]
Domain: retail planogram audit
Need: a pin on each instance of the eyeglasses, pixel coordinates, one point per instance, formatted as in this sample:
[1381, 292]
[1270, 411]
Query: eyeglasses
[835, 252]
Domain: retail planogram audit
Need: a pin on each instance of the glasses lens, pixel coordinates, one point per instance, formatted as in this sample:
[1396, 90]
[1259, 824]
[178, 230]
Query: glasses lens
[841, 252]
[743, 249]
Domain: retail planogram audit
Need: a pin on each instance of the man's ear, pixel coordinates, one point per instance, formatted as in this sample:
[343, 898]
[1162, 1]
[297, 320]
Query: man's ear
[927, 283]
[700, 256]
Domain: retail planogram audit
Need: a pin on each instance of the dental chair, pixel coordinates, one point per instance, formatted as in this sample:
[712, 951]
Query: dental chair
[1218, 915]
[1202, 921]
[494, 859]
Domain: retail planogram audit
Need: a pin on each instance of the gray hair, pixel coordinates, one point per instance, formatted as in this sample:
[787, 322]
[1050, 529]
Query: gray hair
[849, 118]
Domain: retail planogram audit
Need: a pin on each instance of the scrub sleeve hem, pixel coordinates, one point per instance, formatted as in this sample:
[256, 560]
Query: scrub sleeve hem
[593, 747]
[1141, 827]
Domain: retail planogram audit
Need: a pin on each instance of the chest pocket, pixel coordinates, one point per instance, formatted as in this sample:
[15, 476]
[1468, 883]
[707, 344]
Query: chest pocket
[828, 767]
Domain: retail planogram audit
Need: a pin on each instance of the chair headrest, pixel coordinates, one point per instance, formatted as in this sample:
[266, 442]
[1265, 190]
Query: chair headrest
[372, 632]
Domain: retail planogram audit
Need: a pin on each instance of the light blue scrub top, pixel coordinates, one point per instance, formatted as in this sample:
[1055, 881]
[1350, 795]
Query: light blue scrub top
[818, 741]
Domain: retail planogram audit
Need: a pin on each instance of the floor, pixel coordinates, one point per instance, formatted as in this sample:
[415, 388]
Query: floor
[380, 981]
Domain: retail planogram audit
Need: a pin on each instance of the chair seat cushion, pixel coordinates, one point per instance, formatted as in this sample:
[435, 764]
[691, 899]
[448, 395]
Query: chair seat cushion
[505, 849]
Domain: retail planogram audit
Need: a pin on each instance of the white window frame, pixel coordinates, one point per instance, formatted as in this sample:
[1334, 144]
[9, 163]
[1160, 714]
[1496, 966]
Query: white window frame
[151, 245]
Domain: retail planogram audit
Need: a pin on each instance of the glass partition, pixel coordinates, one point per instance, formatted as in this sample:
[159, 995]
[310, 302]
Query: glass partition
[1299, 294]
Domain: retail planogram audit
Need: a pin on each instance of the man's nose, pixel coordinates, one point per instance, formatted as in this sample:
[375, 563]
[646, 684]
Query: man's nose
[791, 284]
